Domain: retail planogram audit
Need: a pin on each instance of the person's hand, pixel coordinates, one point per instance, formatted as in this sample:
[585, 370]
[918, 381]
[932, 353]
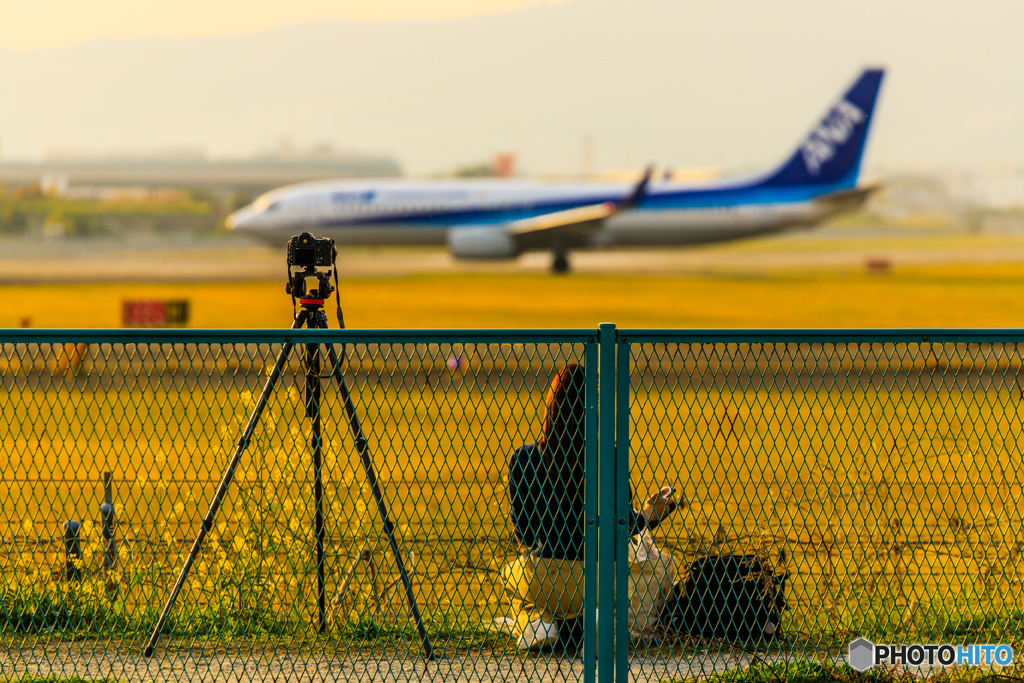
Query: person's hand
[661, 505]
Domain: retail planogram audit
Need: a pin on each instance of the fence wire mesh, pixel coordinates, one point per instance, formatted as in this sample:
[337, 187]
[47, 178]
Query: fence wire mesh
[827, 488]
[148, 428]
[873, 488]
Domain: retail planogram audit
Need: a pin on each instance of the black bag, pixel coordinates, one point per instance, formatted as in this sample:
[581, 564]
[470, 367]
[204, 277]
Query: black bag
[728, 597]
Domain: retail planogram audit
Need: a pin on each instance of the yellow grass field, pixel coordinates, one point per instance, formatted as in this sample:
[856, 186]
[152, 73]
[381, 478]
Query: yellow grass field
[939, 296]
[900, 509]
[895, 497]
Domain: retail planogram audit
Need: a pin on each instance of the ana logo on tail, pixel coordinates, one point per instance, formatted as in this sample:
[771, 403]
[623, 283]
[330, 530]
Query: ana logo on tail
[832, 132]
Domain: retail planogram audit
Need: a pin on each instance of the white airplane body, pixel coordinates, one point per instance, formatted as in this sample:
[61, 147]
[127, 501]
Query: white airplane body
[502, 218]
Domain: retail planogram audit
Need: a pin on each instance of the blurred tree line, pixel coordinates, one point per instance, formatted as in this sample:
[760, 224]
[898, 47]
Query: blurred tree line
[27, 210]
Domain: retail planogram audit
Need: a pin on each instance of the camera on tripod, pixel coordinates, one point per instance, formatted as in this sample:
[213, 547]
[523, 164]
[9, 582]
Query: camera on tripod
[310, 266]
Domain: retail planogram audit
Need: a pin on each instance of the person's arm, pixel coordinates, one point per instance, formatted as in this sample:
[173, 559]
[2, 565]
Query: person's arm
[657, 508]
[638, 523]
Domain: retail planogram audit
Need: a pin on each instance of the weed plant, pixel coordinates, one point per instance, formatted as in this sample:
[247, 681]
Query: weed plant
[246, 586]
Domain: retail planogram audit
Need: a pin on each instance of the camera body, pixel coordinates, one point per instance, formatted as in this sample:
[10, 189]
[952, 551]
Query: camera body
[306, 250]
[310, 266]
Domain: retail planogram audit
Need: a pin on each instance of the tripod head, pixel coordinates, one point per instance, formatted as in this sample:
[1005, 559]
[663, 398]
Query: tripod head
[312, 262]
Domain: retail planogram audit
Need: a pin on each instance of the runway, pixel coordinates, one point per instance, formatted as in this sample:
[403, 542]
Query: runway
[234, 259]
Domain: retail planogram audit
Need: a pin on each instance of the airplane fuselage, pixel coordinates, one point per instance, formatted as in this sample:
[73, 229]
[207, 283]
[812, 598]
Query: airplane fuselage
[406, 212]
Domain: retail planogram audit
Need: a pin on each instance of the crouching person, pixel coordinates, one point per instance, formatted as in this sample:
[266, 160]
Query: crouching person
[546, 488]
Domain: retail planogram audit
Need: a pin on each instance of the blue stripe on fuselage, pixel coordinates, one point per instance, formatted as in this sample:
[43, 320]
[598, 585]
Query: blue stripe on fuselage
[742, 196]
[710, 198]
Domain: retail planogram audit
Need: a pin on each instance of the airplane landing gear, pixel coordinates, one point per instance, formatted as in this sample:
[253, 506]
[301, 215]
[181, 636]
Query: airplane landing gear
[560, 264]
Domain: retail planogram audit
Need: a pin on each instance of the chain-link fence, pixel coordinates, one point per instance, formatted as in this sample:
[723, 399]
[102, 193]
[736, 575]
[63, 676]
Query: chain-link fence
[828, 485]
[147, 422]
[871, 478]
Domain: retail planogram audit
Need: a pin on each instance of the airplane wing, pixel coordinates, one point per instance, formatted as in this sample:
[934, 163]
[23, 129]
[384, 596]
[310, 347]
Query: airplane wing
[571, 227]
[564, 228]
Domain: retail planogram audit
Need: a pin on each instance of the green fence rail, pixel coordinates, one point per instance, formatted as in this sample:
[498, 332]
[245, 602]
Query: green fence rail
[833, 484]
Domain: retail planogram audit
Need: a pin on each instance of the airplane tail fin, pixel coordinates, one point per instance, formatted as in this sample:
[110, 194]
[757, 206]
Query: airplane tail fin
[832, 151]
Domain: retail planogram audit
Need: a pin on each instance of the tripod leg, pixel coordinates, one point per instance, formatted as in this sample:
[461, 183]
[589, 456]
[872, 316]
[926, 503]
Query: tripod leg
[222, 490]
[382, 507]
[313, 366]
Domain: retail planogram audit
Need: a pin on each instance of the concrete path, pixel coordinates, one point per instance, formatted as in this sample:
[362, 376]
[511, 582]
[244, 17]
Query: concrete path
[89, 660]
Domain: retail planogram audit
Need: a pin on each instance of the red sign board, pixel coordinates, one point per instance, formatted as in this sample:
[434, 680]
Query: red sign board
[153, 313]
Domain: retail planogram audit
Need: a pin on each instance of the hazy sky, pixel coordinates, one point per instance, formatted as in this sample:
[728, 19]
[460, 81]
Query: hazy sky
[58, 23]
[724, 83]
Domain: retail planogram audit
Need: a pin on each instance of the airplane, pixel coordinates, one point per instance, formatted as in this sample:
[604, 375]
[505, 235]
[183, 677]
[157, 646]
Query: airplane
[502, 218]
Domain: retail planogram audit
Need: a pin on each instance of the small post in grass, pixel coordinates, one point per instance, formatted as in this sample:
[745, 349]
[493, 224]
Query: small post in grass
[107, 522]
[72, 551]
[107, 519]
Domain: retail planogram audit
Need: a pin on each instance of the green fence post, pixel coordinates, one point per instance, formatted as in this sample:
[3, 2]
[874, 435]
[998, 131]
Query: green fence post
[622, 509]
[590, 510]
[606, 501]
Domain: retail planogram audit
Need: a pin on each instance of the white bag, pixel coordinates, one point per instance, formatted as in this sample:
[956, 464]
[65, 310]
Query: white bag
[652, 573]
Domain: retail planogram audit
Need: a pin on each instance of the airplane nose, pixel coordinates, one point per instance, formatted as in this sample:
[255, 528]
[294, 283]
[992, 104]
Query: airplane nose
[237, 219]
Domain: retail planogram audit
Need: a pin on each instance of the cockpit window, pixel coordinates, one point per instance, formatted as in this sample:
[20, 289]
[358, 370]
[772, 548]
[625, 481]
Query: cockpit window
[264, 204]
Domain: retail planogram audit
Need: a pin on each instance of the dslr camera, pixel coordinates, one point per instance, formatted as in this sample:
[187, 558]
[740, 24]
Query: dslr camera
[310, 266]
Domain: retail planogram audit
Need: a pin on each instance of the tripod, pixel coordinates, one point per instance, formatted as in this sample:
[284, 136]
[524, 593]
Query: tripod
[313, 317]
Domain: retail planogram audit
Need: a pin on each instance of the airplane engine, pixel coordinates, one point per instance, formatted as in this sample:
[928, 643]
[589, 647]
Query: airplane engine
[481, 243]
